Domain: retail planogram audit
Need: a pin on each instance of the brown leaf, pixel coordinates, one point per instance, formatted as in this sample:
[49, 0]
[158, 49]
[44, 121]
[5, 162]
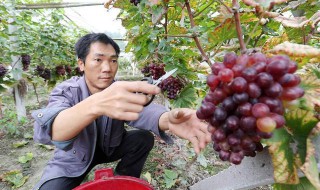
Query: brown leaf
[296, 50]
[293, 22]
[273, 41]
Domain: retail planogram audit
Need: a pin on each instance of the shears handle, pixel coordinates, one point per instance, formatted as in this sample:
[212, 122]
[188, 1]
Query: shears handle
[150, 81]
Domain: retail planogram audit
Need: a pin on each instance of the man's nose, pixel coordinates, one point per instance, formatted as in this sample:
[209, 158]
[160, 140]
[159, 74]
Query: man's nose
[106, 66]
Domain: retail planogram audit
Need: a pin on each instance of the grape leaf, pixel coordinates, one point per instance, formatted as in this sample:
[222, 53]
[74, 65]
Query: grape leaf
[223, 32]
[202, 160]
[16, 178]
[187, 98]
[282, 157]
[20, 144]
[26, 158]
[296, 50]
[170, 178]
[262, 3]
[300, 123]
[273, 41]
[311, 84]
[157, 14]
[293, 22]
[303, 185]
[310, 167]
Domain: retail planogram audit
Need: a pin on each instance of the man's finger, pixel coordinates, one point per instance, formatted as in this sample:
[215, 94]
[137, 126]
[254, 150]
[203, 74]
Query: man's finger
[142, 87]
[195, 142]
[201, 139]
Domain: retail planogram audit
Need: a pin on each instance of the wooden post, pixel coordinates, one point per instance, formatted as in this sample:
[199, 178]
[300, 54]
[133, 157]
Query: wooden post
[16, 65]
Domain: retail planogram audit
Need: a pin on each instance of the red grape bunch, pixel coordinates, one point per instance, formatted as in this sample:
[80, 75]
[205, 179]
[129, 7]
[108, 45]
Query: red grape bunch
[3, 70]
[153, 70]
[172, 86]
[245, 101]
[135, 2]
[60, 70]
[68, 69]
[25, 60]
[43, 72]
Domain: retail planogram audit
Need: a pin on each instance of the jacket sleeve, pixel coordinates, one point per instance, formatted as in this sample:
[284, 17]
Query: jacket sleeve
[149, 120]
[60, 99]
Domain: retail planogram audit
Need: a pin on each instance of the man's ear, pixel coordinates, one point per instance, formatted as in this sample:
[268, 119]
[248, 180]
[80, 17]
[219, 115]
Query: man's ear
[81, 64]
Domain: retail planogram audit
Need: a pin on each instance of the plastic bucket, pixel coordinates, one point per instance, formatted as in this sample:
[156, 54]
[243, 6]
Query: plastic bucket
[104, 179]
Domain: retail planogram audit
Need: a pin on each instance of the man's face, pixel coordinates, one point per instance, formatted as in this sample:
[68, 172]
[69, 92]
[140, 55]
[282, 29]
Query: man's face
[100, 66]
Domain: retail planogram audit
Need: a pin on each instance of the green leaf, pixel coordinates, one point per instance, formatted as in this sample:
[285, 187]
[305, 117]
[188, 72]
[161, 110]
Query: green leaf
[170, 178]
[48, 147]
[186, 98]
[157, 13]
[303, 185]
[300, 123]
[282, 157]
[20, 144]
[148, 177]
[202, 160]
[310, 167]
[223, 32]
[26, 158]
[15, 178]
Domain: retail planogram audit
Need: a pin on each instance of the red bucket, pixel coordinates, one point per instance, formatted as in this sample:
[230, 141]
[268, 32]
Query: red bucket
[105, 180]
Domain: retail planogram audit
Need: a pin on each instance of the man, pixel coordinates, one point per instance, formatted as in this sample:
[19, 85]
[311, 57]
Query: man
[85, 119]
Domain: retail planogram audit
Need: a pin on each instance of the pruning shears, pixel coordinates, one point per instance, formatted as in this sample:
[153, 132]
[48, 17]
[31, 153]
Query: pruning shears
[158, 81]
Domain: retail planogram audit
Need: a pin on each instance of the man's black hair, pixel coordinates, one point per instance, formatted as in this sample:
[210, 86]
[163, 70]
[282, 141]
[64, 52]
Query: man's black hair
[83, 45]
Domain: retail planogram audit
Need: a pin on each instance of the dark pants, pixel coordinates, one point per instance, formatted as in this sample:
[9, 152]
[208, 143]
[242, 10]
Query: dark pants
[133, 152]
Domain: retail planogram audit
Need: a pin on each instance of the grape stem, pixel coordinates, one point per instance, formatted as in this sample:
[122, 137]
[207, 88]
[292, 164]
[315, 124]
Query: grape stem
[35, 91]
[195, 37]
[235, 8]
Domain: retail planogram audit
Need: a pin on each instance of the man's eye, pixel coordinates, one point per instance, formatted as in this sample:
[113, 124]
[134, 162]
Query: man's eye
[98, 60]
[114, 61]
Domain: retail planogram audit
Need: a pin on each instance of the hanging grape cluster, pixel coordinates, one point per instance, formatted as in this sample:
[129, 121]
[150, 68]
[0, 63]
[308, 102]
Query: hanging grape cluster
[25, 60]
[135, 2]
[3, 70]
[60, 70]
[171, 86]
[153, 70]
[68, 69]
[245, 102]
[43, 72]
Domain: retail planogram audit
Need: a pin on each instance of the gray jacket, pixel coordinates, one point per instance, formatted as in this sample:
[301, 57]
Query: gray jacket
[73, 157]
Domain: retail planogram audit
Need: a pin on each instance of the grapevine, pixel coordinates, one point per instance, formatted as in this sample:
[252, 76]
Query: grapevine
[245, 102]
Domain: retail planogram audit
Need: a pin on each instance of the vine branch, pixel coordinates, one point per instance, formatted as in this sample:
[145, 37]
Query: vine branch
[195, 37]
[235, 8]
[176, 36]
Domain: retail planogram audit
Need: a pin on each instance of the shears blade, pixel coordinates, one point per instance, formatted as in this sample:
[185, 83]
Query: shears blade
[168, 74]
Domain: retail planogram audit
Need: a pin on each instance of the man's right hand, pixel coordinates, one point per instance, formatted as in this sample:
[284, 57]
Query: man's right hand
[120, 100]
